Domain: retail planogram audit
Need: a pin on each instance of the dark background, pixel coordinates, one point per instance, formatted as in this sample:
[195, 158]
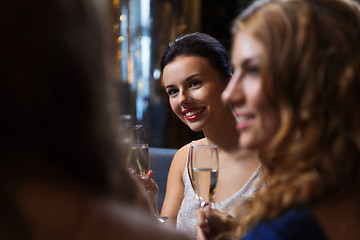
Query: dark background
[217, 17]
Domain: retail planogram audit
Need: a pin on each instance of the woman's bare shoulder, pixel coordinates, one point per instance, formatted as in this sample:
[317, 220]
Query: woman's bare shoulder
[185, 149]
[200, 141]
[181, 155]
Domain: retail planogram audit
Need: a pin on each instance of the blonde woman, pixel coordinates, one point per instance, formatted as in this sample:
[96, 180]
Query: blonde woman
[295, 94]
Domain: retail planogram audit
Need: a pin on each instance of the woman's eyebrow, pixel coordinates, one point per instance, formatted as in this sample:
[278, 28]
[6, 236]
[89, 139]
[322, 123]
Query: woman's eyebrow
[191, 77]
[186, 80]
[247, 60]
[169, 86]
[251, 60]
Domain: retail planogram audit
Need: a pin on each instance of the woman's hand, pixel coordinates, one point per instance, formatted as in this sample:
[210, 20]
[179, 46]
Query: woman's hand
[149, 186]
[211, 223]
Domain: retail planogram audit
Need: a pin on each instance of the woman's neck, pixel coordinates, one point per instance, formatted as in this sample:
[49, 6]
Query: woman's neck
[224, 133]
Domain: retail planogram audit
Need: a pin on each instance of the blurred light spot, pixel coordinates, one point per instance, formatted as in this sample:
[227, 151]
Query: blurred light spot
[120, 39]
[141, 84]
[122, 17]
[137, 53]
[156, 74]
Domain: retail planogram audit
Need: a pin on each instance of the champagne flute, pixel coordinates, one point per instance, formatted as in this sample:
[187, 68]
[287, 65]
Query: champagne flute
[204, 162]
[138, 158]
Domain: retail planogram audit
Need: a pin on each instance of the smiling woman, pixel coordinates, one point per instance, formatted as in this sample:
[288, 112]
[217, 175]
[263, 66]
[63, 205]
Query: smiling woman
[196, 70]
[194, 90]
[256, 120]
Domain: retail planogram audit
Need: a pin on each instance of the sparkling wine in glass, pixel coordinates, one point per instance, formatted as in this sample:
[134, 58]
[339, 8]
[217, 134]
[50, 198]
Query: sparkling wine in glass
[204, 162]
[138, 158]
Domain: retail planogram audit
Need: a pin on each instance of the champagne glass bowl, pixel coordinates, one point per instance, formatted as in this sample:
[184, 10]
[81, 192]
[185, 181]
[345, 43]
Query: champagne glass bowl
[204, 163]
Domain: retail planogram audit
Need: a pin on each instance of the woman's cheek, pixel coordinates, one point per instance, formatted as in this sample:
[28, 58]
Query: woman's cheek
[175, 107]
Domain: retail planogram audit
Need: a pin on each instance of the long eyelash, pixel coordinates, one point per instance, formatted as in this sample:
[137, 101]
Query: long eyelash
[197, 82]
[250, 65]
[171, 91]
[253, 69]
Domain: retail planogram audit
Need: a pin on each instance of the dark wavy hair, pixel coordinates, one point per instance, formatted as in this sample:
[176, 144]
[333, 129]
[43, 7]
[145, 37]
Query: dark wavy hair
[310, 73]
[201, 45]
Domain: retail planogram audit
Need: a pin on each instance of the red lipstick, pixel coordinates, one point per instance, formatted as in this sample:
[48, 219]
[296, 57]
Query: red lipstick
[193, 113]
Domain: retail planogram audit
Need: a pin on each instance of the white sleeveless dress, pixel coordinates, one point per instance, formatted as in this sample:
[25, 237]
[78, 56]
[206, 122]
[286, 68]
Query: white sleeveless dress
[186, 216]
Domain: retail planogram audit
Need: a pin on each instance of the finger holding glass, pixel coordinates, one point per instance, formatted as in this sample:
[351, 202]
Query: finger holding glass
[204, 162]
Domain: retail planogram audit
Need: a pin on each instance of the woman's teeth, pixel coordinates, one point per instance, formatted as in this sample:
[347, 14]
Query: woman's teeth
[241, 119]
[188, 114]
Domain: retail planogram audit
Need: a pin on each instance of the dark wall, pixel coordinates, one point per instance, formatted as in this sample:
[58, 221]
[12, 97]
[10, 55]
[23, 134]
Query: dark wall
[217, 18]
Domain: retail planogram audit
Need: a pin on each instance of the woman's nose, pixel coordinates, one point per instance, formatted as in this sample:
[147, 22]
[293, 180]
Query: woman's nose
[233, 93]
[183, 98]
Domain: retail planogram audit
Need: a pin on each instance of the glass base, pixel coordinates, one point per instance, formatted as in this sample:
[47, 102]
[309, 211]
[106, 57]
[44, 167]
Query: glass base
[163, 219]
[204, 204]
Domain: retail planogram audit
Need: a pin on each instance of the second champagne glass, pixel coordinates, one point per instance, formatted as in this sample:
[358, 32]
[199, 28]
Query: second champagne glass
[138, 158]
[204, 162]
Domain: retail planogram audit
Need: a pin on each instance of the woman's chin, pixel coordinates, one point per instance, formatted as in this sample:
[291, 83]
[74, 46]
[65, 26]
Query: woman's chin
[195, 129]
[248, 145]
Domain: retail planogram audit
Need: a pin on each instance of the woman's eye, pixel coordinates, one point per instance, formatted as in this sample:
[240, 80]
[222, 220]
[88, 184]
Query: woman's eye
[195, 83]
[253, 70]
[172, 92]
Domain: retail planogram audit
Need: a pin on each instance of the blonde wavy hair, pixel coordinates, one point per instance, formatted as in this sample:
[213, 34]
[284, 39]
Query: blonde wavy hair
[311, 75]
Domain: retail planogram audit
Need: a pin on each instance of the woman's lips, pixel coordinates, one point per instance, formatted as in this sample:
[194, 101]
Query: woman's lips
[243, 122]
[193, 113]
